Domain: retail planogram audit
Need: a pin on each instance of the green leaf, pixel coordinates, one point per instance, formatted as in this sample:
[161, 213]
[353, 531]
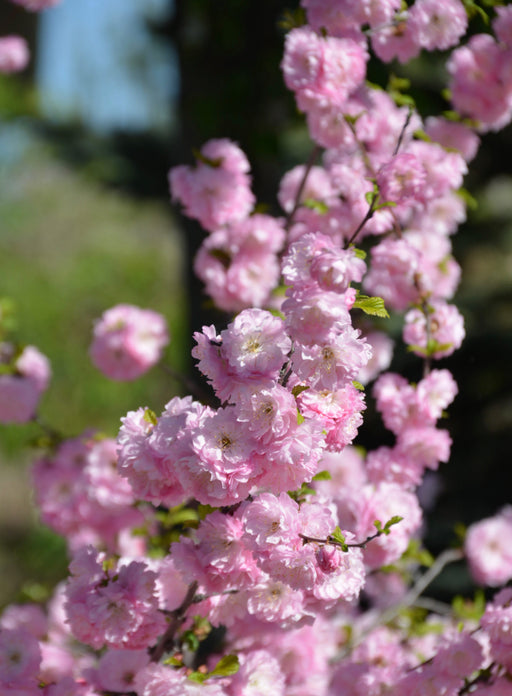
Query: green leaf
[300, 418]
[468, 199]
[318, 206]
[371, 197]
[359, 253]
[473, 10]
[150, 417]
[338, 537]
[225, 667]
[385, 204]
[292, 19]
[394, 520]
[298, 389]
[378, 525]
[357, 385]
[198, 677]
[322, 476]
[373, 306]
[421, 135]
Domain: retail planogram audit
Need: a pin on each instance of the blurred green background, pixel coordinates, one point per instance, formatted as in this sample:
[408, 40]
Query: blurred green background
[86, 223]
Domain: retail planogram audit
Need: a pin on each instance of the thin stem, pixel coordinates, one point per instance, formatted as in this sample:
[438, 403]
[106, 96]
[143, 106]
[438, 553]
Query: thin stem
[411, 598]
[332, 542]
[447, 557]
[309, 165]
[166, 641]
[402, 132]
[369, 214]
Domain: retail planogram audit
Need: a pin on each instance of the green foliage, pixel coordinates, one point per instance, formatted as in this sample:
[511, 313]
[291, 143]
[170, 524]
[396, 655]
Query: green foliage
[292, 19]
[322, 476]
[150, 417]
[357, 385]
[318, 206]
[467, 609]
[225, 667]
[338, 537]
[373, 306]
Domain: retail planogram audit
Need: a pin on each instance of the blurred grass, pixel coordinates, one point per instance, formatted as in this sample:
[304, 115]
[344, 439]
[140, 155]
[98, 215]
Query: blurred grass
[70, 249]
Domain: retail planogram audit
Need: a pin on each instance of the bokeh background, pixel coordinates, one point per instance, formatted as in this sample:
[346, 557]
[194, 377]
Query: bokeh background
[117, 92]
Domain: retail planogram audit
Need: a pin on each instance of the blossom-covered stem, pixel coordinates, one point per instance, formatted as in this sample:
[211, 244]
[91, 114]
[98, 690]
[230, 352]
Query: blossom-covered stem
[309, 164]
[166, 641]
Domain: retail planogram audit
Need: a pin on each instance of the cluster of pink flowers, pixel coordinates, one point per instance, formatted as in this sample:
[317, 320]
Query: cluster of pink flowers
[25, 376]
[128, 341]
[259, 521]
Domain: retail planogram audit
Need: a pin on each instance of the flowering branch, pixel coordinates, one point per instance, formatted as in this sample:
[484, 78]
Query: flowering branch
[166, 641]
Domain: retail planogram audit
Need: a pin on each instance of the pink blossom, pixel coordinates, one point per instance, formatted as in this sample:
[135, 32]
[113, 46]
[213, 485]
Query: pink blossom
[438, 24]
[502, 25]
[239, 264]
[454, 135]
[259, 675]
[396, 40]
[217, 191]
[81, 494]
[402, 179]
[117, 669]
[14, 54]
[382, 353]
[445, 327]
[480, 84]
[128, 341]
[322, 70]
[116, 608]
[394, 263]
[20, 658]
[23, 381]
[382, 502]
[488, 549]
[496, 622]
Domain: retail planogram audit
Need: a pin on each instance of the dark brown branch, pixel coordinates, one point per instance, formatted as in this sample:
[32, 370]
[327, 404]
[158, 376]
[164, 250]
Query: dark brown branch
[166, 642]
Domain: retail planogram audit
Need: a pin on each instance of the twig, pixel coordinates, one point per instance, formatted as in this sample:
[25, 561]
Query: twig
[309, 165]
[166, 641]
[402, 132]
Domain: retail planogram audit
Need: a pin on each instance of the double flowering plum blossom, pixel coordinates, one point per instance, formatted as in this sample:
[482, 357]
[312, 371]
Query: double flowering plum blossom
[488, 550]
[441, 323]
[238, 263]
[115, 607]
[14, 54]
[322, 71]
[480, 81]
[24, 378]
[128, 341]
[217, 191]
[437, 24]
[82, 496]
